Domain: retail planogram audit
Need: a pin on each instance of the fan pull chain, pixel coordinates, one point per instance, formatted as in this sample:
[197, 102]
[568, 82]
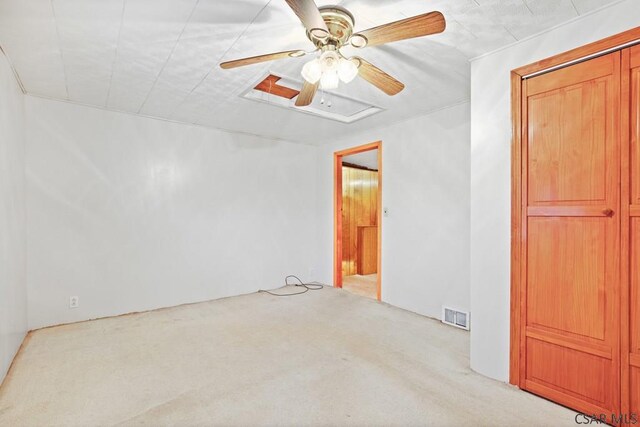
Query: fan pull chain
[323, 100]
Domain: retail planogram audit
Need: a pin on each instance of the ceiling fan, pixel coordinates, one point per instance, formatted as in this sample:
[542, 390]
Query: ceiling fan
[330, 28]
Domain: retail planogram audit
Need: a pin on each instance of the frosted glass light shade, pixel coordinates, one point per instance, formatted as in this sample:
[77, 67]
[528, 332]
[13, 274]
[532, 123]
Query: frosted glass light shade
[312, 71]
[329, 69]
[347, 70]
[329, 80]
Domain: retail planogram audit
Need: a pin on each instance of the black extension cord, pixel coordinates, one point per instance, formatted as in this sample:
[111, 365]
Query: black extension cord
[307, 287]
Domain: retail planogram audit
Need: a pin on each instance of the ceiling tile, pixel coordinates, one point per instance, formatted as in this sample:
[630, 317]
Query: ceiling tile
[41, 72]
[546, 14]
[148, 36]
[88, 31]
[83, 23]
[368, 13]
[136, 68]
[163, 100]
[192, 107]
[447, 7]
[487, 33]
[585, 6]
[29, 36]
[552, 8]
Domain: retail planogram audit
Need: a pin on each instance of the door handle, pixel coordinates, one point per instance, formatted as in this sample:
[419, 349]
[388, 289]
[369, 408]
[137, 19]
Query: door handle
[608, 212]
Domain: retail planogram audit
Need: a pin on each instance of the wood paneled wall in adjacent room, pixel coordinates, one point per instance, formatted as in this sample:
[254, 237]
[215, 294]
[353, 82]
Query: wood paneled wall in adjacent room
[359, 208]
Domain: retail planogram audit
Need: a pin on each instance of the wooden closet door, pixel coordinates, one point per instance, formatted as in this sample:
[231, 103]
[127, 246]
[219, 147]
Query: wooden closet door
[571, 227]
[632, 79]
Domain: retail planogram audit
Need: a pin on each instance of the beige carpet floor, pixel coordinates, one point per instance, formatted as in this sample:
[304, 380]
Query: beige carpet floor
[323, 358]
[365, 286]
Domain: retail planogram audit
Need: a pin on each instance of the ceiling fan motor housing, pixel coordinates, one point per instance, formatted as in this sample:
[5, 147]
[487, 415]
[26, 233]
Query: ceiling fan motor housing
[340, 23]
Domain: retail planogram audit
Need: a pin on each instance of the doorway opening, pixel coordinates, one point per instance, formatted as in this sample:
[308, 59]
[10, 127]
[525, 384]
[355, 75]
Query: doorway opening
[357, 220]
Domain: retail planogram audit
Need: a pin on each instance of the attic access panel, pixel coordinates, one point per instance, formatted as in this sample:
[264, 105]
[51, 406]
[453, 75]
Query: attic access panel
[270, 85]
[282, 91]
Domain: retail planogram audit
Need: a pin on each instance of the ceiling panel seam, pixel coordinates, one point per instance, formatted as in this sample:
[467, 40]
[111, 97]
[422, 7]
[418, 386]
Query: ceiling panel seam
[115, 55]
[527, 6]
[173, 49]
[64, 66]
[13, 70]
[466, 28]
[510, 33]
[218, 61]
[574, 7]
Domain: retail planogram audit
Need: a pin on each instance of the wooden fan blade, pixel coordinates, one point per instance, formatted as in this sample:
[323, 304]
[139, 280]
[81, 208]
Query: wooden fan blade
[378, 78]
[262, 58]
[308, 12]
[417, 26]
[306, 94]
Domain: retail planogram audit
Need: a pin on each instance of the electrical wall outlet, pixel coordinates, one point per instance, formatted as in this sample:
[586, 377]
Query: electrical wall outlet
[74, 302]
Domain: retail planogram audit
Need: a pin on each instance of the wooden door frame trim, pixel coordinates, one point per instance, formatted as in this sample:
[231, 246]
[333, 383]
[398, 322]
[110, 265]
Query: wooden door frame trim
[625, 236]
[569, 57]
[337, 209]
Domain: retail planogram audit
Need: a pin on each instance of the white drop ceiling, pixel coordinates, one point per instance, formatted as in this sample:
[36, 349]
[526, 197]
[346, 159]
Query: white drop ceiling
[160, 58]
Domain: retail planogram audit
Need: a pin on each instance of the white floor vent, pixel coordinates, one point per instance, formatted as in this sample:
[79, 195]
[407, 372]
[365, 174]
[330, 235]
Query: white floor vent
[453, 317]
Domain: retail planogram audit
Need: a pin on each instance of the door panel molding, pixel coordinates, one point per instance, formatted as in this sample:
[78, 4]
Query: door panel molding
[595, 349]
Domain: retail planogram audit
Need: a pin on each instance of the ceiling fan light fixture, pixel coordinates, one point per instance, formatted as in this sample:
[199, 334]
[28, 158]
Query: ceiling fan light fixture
[330, 68]
[329, 61]
[347, 70]
[312, 71]
[329, 80]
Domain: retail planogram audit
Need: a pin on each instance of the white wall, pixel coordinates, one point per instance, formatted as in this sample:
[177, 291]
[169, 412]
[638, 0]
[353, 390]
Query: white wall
[13, 284]
[130, 213]
[425, 186]
[490, 174]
